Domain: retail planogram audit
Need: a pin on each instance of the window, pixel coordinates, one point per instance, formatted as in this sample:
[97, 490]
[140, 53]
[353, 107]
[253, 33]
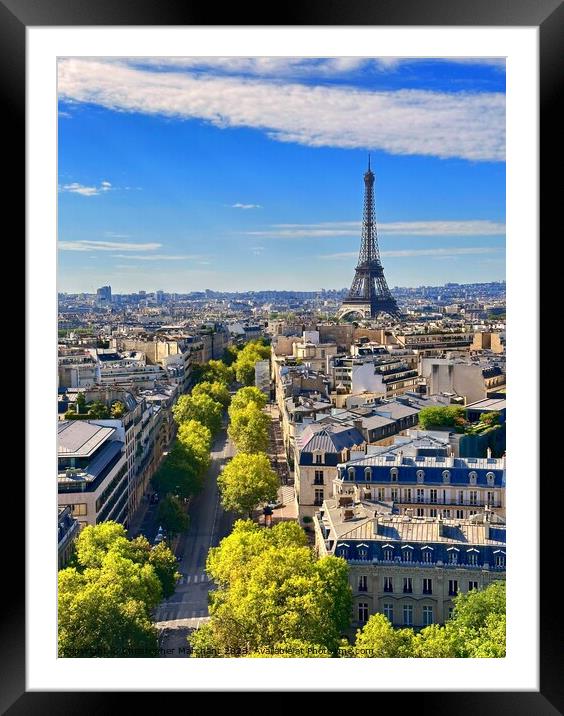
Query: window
[446, 477]
[420, 512]
[407, 585]
[318, 478]
[363, 583]
[461, 497]
[388, 585]
[343, 552]
[394, 494]
[433, 496]
[427, 555]
[499, 560]
[427, 586]
[472, 558]
[362, 553]
[472, 477]
[490, 477]
[472, 585]
[446, 513]
[420, 495]
[389, 611]
[407, 495]
[389, 555]
[453, 587]
[459, 514]
[318, 459]
[408, 614]
[427, 615]
[420, 474]
[473, 497]
[453, 557]
[380, 493]
[406, 554]
[368, 474]
[362, 612]
[433, 512]
[394, 474]
[79, 510]
[318, 497]
[351, 473]
[450, 612]
[490, 499]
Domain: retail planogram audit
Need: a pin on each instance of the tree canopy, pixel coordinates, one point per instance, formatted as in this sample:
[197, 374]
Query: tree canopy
[273, 592]
[436, 417]
[106, 598]
[248, 429]
[217, 390]
[244, 364]
[246, 395]
[200, 407]
[246, 481]
[172, 515]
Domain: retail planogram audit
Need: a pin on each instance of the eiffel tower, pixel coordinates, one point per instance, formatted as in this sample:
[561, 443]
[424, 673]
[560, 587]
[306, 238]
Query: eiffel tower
[369, 294]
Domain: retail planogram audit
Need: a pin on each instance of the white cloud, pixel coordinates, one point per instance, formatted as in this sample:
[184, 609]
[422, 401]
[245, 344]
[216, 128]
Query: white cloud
[410, 253]
[246, 206]
[87, 245]
[478, 227]
[76, 188]
[466, 125]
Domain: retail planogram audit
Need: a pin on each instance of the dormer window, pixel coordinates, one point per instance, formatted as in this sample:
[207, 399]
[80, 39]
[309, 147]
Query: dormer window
[318, 459]
[351, 473]
[472, 476]
[490, 477]
[394, 474]
[446, 476]
[368, 474]
[389, 554]
[362, 553]
[420, 474]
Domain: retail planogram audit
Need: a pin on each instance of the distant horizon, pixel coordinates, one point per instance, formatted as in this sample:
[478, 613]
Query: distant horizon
[273, 290]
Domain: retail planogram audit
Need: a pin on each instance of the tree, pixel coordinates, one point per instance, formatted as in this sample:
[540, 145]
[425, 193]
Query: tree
[165, 565]
[273, 591]
[247, 395]
[105, 601]
[246, 481]
[178, 473]
[172, 515]
[201, 408]
[249, 429]
[216, 370]
[118, 409]
[378, 639]
[440, 417]
[217, 390]
[230, 355]
[196, 439]
[246, 359]
[80, 403]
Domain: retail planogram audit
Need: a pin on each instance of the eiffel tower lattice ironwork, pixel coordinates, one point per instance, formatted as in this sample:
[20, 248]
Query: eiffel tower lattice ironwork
[369, 294]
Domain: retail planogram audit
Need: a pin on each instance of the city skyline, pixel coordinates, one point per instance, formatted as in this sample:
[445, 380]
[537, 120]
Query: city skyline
[178, 174]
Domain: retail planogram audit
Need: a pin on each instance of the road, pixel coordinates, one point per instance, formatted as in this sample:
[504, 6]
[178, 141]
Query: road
[187, 608]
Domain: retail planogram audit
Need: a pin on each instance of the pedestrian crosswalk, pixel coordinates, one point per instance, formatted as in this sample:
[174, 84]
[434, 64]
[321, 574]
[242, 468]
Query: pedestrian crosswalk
[200, 578]
[177, 612]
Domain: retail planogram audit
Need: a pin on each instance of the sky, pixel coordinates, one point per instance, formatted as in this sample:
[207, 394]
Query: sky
[238, 174]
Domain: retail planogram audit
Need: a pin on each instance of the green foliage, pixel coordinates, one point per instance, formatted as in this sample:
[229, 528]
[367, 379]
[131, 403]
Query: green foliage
[217, 370]
[81, 402]
[164, 563]
[476, 630]
[246, 481]
[217, 390]
[446, 416]
[105, 600]
[201, 408]
[491, 418]
[178, 473]
[230, 355]
[172, 515]
[273, 593]
[246, 359]
[247, 395]
[118, 409]
[249, 429]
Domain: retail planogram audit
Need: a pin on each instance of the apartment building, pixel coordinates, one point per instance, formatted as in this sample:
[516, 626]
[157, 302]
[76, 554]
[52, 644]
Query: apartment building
[408, 568]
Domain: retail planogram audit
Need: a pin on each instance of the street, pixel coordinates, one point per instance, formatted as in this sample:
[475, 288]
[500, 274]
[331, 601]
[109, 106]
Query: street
[187, 608]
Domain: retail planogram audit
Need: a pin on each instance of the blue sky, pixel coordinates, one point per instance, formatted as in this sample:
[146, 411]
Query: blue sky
[247, 174]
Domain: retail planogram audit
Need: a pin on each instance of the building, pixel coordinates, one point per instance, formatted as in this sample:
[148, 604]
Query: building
[473, 380]
[92, 477]
[67, 530]
[262, 376]
[77, 368]
[420, 477]
[318, 451]
[377, 372]
[486, 341]
[434, 342]
[408, 568]
[127, 369]
[104, 296]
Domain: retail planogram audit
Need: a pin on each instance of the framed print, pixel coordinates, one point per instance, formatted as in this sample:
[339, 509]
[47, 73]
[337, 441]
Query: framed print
[275, 258]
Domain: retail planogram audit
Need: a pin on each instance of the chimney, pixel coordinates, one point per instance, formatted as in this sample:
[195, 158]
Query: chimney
[489, 452]
[348, 514]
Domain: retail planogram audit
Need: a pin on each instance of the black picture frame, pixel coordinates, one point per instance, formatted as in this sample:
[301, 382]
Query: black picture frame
[548, 16]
